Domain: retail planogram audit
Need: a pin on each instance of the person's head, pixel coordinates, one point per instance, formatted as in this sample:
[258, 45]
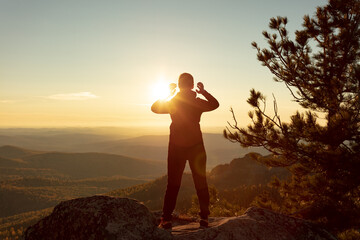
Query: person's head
[186, 81]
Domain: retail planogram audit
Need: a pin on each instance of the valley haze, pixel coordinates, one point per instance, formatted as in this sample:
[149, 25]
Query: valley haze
[140, 142]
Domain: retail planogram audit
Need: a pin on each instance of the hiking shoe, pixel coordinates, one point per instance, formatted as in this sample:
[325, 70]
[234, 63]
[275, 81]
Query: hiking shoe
[165, 224]
[204, 223]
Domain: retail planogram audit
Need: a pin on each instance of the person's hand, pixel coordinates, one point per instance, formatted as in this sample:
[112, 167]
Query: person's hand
[172, 87]
[200, 89]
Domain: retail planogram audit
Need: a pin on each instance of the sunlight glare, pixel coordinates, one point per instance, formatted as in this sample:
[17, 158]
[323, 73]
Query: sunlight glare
[160, 90]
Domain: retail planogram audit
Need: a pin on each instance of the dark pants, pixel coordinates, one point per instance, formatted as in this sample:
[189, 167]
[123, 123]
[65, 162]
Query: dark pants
[177, 157]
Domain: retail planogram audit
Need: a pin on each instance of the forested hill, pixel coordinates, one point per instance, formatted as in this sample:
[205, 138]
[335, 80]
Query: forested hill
[151, 147]
[237, 183]
[244, 171]
[79, 165]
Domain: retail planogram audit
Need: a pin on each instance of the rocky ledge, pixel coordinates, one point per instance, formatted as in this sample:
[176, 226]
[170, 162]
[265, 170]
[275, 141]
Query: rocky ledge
[103, 217]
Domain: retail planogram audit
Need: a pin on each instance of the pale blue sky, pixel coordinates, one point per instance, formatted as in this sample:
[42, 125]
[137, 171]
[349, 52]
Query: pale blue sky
[109, 54]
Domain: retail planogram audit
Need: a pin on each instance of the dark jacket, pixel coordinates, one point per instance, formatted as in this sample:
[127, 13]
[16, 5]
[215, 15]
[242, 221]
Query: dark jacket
[185, 110]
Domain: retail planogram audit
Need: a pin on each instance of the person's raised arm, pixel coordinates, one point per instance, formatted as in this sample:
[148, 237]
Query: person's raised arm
[211, 103]
[160, 106]
[163, 106]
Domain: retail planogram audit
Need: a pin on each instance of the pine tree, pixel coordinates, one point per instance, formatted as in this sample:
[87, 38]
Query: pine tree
[321, 70]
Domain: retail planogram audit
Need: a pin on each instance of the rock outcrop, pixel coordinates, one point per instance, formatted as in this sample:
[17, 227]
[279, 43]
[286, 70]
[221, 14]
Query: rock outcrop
[97, 218]
[102, 217]
[256, 223]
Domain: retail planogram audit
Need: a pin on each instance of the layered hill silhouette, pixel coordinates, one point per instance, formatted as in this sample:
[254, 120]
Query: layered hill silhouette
[151, 147]
[13, 152]
[244, 171]
[32, 180]
[80, 165]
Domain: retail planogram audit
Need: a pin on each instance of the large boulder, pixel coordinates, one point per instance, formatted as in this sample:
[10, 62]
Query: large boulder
[97, 217]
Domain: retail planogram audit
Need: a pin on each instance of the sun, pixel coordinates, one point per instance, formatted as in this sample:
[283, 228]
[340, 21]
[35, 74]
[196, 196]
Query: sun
[160, 90]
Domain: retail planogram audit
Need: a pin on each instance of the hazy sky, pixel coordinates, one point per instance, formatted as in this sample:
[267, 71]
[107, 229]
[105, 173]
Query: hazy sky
[95, 63]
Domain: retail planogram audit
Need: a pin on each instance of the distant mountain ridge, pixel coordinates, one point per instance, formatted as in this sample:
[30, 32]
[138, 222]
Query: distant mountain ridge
[151, 147]
[8, 151]
[244, 171]
[32, 180]
[80, 165]
[219, 150]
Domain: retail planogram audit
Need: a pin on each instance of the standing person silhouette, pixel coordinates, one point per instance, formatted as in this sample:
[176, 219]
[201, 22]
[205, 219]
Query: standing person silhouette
[186, 143]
